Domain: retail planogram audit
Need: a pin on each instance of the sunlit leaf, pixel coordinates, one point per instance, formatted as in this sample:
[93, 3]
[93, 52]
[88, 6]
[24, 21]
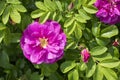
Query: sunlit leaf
[98, 50]
[68, 22]
[37, 13]
[59, 5]
[73, 75]
[44, 17]
[98, 73]
[67, 66]
[15, 15]
[6, 13]
[20, 8]
[91, 67]
[90, 9]
[2, 7]
[110, 63]
[109, 73]
[50, 5]
[13, 1]
[96, 29]
[109, 31]
[84, 14]
[40, 5]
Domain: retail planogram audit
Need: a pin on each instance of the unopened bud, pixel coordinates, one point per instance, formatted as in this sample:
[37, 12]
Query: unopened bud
[85, 55]
[70, 6]
[116, 43]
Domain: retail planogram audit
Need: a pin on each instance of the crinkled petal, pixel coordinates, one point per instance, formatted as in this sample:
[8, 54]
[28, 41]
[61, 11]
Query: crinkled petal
[36, 35]
[108, 11]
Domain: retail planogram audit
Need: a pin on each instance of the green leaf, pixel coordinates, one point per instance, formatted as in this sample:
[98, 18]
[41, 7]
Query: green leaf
[59, 5]
[4, 60]
[96, 29]
[2, 26]
[72, 28]
[109, 31]
[116, 52]
[14, 1]
[109, 73]
[110, 63]
[98, 50]
[20, 8]
[55, 76]
[90, 9]
[1, 78]
[73, 75]
[50, 5]
[25, 21]
[91, 71]
[53, 15]
[44, 17]
[87, 34]
[104, 56]
[58, 17]
[72, 53]
[37, 13]
[15, 15]
[98, 73]
[68, 22]
[78, 32]
[6, 13]
[79, 18]
[7, 36]
[71, 45]
[67, 66]
[102, 41]
[20, 63]
[2, 7]
[1, 36]
[83, 14]
[36, 76]
[80, 25]
[48, 69]
[82, 67]
[41, 5]
[91, 67]
[91, 2]
[84, 2]
[15, 37]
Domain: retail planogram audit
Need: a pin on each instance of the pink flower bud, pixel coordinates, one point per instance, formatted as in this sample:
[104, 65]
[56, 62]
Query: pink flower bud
[115, 43]
[85, 55]
[70, 6]
[12, 22]
[36, 20]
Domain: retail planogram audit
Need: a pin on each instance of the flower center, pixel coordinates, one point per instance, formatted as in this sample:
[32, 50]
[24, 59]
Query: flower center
[43, 42]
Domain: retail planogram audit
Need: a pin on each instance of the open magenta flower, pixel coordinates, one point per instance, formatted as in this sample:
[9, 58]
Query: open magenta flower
[108, 11]
[43, 43]
[85, 55]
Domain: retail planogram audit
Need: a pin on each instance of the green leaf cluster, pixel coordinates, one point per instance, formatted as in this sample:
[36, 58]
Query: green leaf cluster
[11, 9]
[47, 10]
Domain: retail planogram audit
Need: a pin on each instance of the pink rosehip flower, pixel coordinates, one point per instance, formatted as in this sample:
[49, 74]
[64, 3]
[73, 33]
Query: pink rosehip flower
[115, 43]
[108, 11]
[85, 55]
[43, 43]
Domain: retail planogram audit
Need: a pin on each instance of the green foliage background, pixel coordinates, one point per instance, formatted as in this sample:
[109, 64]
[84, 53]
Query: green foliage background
[83, 30]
